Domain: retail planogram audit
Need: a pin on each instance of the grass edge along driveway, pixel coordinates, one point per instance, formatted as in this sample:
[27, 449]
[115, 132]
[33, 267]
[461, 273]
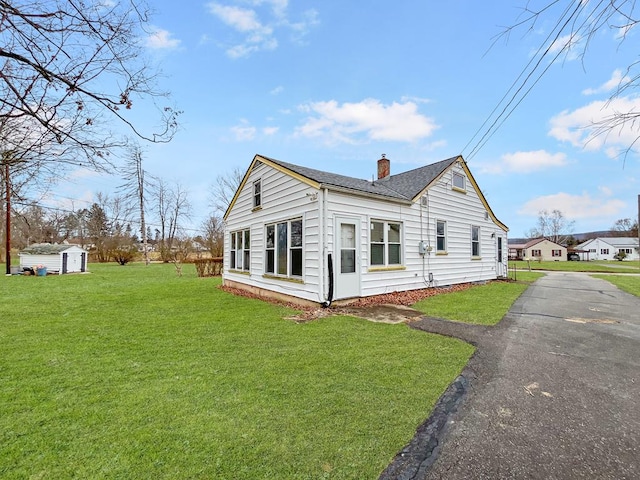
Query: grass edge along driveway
[484, 304]
[133, 372]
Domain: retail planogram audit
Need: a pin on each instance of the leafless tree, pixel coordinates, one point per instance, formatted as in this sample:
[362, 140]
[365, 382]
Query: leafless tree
[212, 236]
[70, 68]
[625, 227]
[224, 188]
[172, 207]
[134, 188]
[552, 225]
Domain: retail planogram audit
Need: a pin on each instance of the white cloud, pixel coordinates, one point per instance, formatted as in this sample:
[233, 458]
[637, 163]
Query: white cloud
[584, 127]
[161, 39]
[525, 162]
[244, 131]
[350, 122]
[569, 45]
[407, 98]
[278, 90]
[575, 206]
[613, 83]
[258, 28]
[242, 19]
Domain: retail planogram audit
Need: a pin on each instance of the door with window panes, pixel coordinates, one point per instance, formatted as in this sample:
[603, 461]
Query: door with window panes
[347, 264]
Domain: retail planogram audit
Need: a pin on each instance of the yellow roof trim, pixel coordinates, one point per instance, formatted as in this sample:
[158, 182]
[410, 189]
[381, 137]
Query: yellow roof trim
[291, 173]
[481, 196]
[461, 161]
[268, 162]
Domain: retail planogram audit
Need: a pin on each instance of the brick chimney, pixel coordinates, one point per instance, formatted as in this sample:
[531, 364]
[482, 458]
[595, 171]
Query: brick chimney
[384, 167]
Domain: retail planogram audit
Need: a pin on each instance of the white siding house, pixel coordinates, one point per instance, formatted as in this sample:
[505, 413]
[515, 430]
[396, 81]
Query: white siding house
[314, 236]
[57, 258]
[605, 248]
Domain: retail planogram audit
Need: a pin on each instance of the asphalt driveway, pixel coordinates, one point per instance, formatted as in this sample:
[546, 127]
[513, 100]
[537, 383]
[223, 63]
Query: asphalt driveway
[553, 391]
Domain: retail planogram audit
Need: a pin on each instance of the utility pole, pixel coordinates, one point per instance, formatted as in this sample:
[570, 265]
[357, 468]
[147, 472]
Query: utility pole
[7, 217]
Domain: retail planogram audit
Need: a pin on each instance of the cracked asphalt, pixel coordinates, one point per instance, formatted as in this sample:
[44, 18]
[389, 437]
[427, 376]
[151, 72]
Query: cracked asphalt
[552, 392]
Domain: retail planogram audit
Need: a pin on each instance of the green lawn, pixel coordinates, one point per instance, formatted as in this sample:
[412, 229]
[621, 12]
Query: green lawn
[591, 266]
[628, 283]
[481, 304]
[133, 372]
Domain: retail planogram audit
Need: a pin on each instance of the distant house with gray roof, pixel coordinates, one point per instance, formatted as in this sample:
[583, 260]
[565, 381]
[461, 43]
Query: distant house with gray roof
[304, 234]
[606, 248]
[56, 258]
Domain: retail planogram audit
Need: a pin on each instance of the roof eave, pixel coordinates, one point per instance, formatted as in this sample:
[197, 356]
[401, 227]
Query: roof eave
[360, 193]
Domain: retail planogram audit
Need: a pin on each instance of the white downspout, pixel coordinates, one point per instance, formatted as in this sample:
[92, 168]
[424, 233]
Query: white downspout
[323, 263]
[326, 274]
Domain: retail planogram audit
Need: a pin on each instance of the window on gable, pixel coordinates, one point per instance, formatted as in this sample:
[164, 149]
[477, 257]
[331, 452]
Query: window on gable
[384, 243]
[441, 236]
[459, 181]
[240, 254]
[257, 193]
[604, 251]
[283, 252]
[475, 241]
[556, 253]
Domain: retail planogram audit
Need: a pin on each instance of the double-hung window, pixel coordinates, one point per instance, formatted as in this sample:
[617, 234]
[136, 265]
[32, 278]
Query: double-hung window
[536, 253]
[384, 242]
[441, 236]
[240, 252]
[475, 241]
[459, 182]
[283, 252]
[257, 194]
[556, 253]
[604, 251]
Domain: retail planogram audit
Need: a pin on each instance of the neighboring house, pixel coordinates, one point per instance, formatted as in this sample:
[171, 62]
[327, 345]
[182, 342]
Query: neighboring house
[605, 248]
[299, 233]
[57, 258]
[538, 249]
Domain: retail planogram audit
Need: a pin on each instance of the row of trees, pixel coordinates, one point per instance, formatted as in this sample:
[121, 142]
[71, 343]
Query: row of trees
[120, 226]
[557, 228]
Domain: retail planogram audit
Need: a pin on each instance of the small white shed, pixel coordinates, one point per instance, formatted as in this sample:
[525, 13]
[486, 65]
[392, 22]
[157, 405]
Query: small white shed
[57, 258]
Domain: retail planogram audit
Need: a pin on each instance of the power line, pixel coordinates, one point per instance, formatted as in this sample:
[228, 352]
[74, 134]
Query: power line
[522, 88]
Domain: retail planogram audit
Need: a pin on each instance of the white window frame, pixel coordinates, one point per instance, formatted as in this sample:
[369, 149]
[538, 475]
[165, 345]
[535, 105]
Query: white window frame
[476, 242]
[461, 184]
[556, 253]
[257, 193]
[291, 247]
[386, 243]
[240, 250]
[443, 236]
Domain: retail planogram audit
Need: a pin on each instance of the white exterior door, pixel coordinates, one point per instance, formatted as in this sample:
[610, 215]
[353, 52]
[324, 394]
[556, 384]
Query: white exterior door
[348, 258]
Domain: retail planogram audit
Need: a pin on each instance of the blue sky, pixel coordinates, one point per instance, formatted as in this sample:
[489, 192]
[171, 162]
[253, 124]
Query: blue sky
[334, 84]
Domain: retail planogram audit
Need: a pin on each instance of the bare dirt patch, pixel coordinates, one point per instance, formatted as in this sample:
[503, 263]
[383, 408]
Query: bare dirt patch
[376, 307]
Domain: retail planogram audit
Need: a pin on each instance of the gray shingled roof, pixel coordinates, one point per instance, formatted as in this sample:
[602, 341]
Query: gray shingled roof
[47, 248]
[403, 186]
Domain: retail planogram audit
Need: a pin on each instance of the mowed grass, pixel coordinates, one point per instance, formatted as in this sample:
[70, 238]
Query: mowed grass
[133, 372]
[580, 266]
[628, 283]
[481, 304]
